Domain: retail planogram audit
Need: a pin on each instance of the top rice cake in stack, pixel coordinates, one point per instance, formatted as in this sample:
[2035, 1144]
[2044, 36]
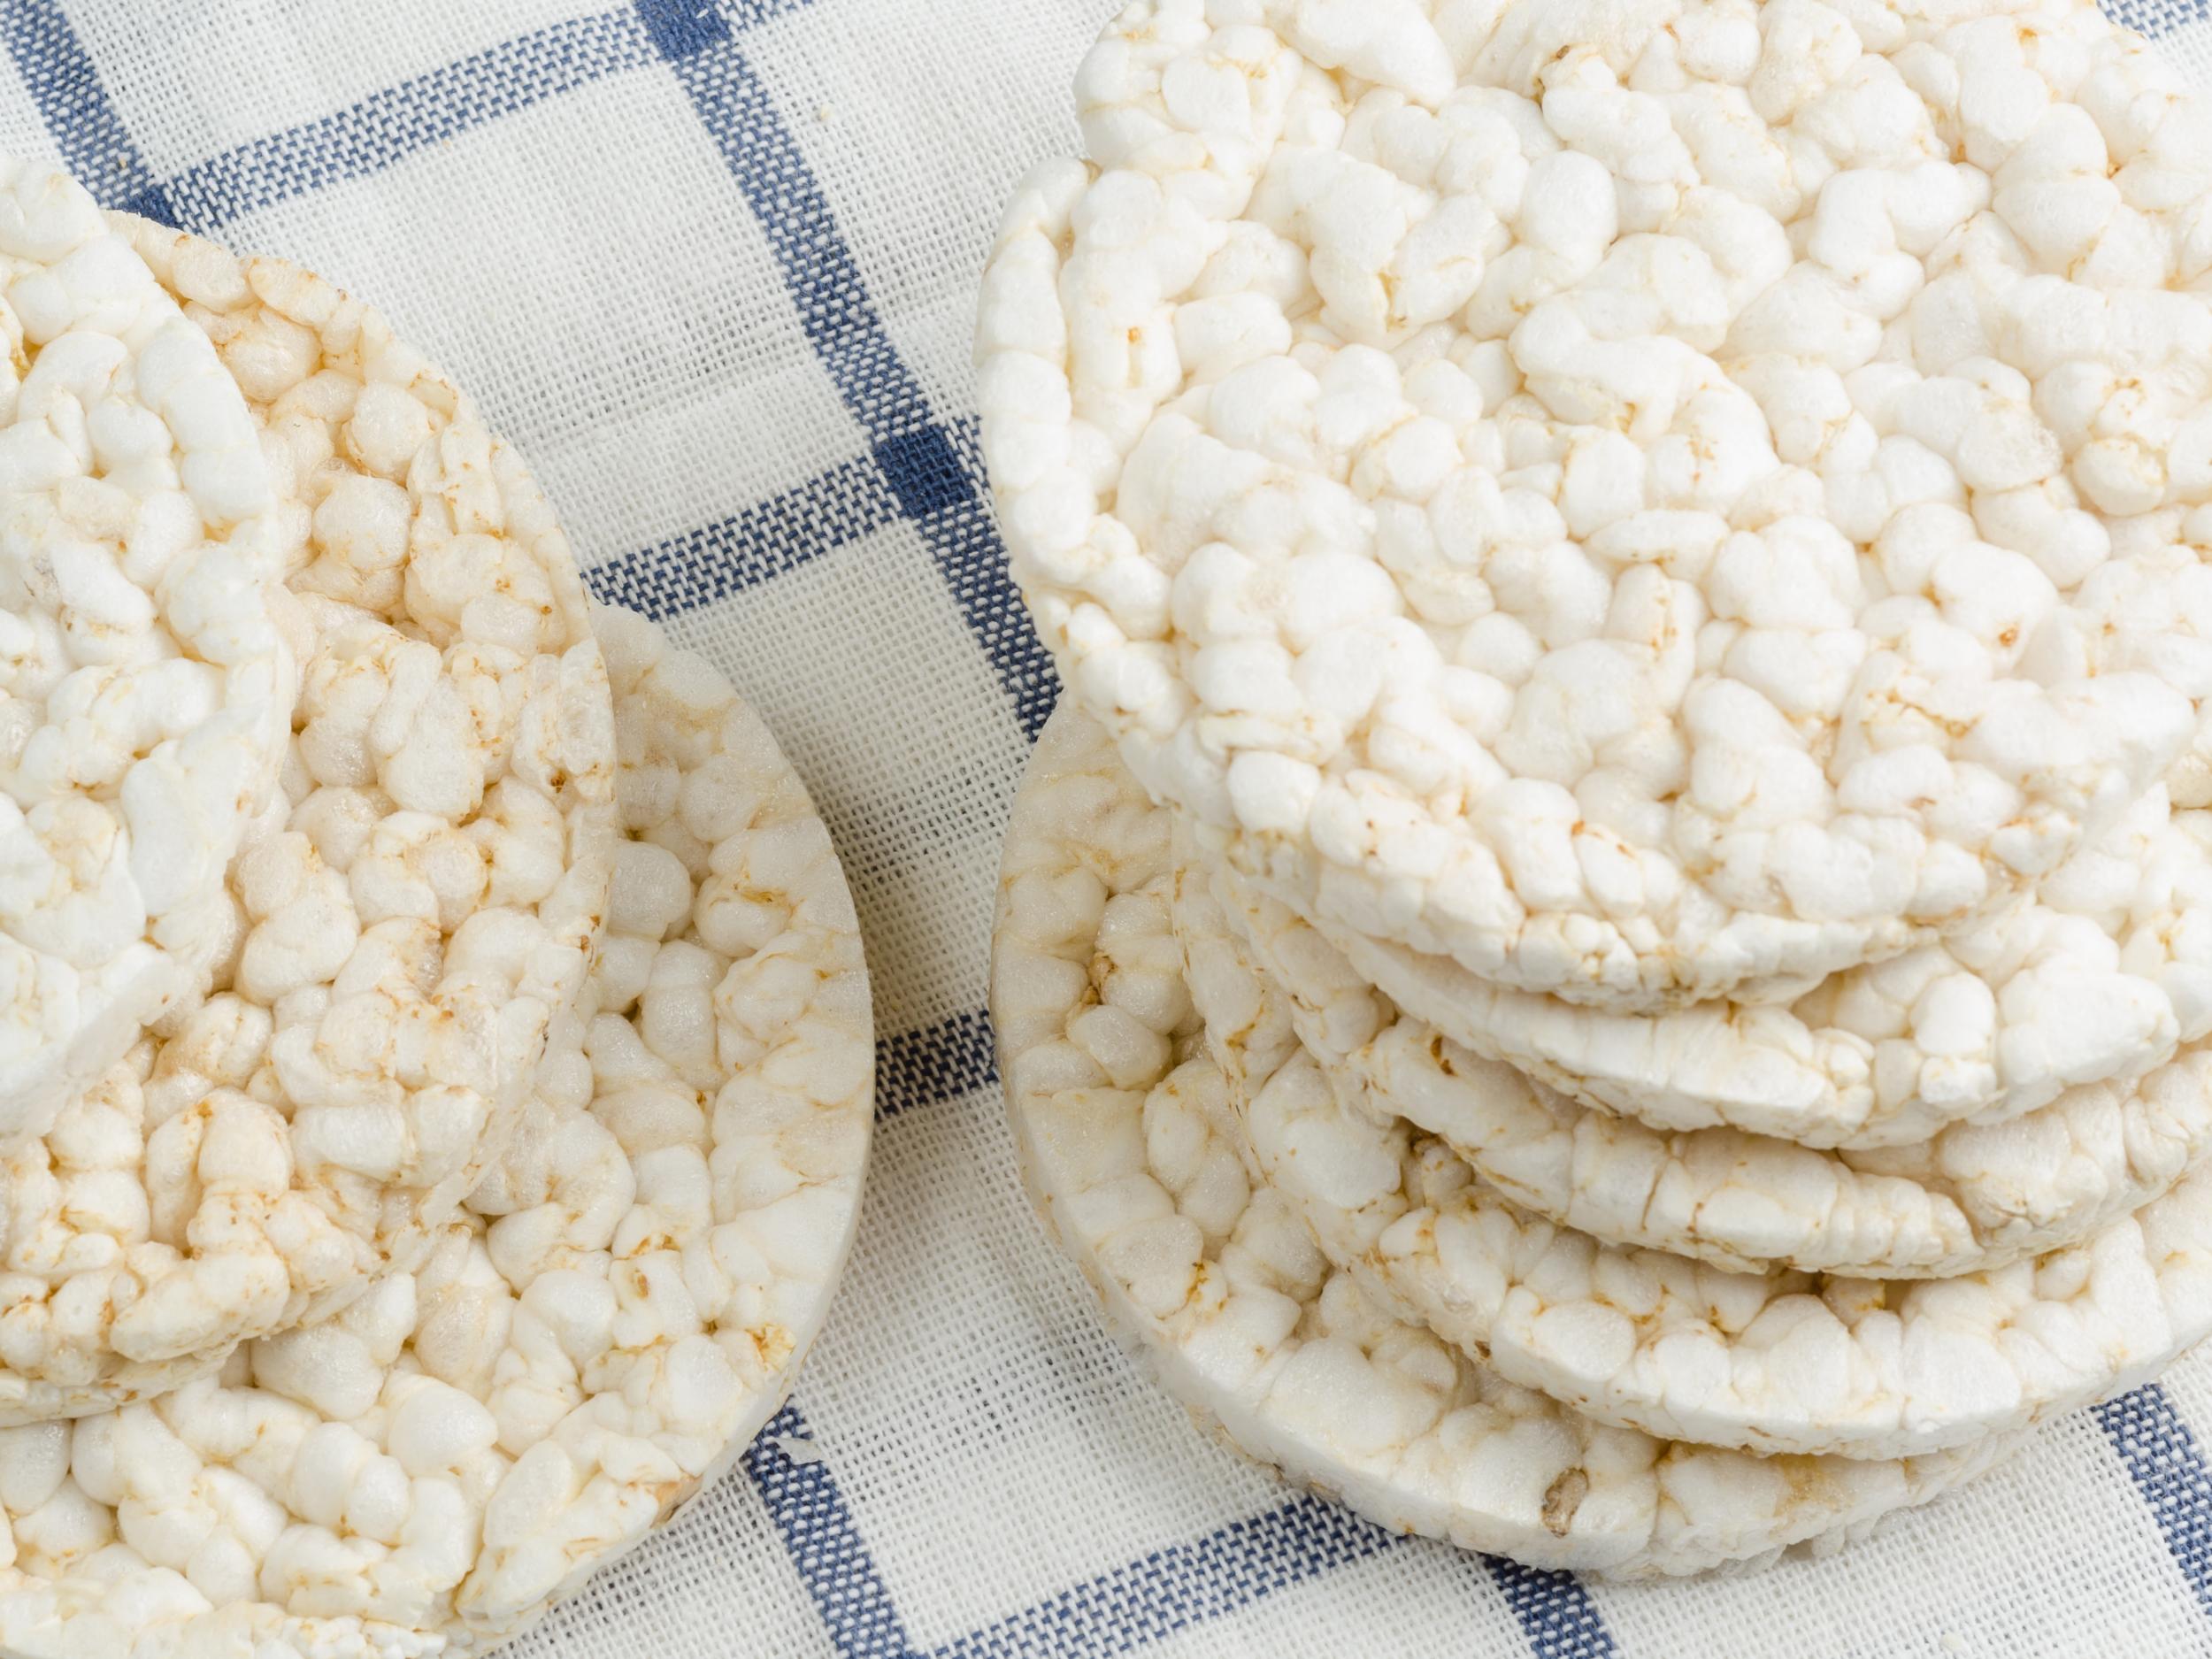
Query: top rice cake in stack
[401, 927]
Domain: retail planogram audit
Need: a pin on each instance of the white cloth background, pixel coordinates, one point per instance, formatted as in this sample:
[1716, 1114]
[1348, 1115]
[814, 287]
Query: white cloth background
[711, 264]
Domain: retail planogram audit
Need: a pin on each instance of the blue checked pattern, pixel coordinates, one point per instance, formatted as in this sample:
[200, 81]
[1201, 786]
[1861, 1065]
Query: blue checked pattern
[915, 471]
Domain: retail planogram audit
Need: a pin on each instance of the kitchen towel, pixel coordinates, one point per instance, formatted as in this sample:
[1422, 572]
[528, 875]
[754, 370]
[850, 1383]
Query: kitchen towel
[711, 267]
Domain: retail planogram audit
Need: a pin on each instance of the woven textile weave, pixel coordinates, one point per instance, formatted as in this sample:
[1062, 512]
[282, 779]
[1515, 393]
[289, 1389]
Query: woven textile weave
[711, 264]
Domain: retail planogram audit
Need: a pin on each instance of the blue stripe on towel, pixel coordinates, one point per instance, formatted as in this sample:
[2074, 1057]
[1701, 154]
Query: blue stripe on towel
[817, 1526]
[752, 546]
[917, 454]
[370, 135]
[2161, 1456]
[1556, 1613]
[943, 1061]
[1181, 1585]
[88, 129]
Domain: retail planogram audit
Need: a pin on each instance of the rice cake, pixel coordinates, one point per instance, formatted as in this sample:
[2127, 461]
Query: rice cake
[1777, 1362]
[1129, 1145]
[1644, 500]
[402, 929]
[2098, 977]
[622, 1306]
[146, 669]
[1974, 1196]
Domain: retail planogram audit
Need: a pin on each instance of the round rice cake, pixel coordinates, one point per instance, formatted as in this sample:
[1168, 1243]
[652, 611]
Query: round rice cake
[1975, 1197]
[2099, 977]
[622, 1306]
[1131, 1148]
[420, 903]
[146, 679]
[1648, 501]
[1780, 1361]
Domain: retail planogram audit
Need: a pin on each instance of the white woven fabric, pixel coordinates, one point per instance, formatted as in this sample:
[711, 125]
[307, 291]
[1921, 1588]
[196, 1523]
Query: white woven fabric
[711, 267]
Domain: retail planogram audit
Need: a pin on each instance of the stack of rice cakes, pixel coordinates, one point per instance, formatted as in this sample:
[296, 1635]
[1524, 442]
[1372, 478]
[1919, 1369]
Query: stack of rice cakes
[1609, 954]
[437, 1077]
